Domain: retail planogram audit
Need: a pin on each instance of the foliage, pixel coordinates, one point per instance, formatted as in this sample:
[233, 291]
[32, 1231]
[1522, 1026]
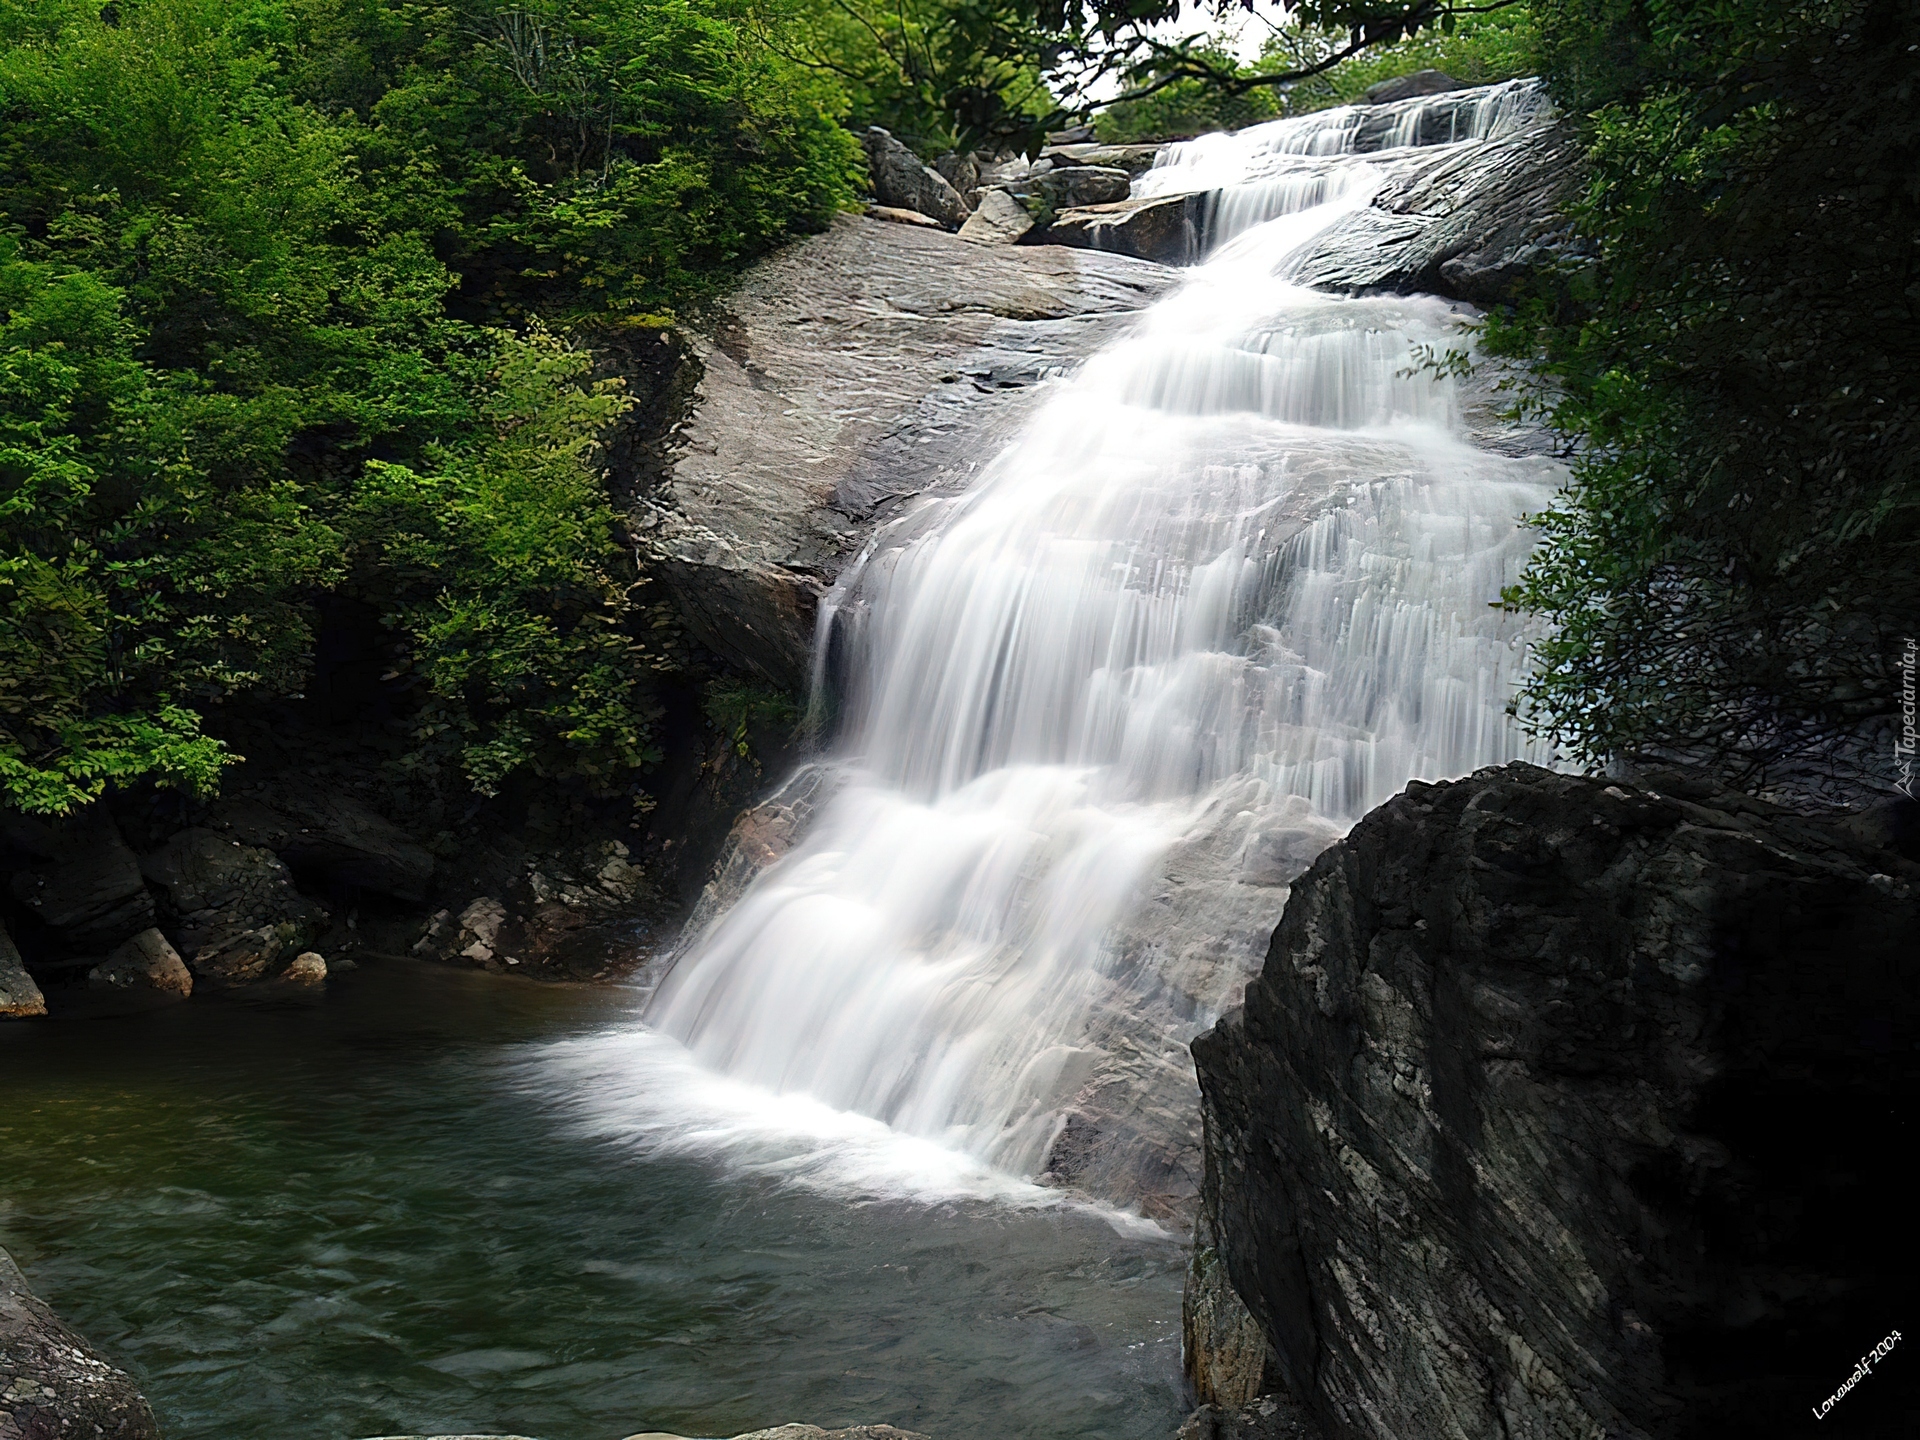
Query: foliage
[258, 261]
[942, 75]
[1735, 561]
[1189, 106]
[1476, 50]
[737, 708]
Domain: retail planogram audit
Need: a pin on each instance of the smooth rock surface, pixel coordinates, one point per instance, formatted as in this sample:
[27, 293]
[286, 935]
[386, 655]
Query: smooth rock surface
[1131, 158]
[895, 215]
[53, 1385]
[846, 374]
[145, 965]
[998, 219]
[232, 908]
[20, 998]
[902, 181]
[1561, 1108]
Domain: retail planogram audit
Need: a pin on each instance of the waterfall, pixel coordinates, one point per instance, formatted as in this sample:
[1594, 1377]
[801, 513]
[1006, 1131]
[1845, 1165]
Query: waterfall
[1227, 590]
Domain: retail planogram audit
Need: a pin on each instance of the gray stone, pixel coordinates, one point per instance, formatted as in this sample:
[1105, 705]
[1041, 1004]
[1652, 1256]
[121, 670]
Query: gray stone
[900, 180]
[1227, 1358]
[87, 889]
[19, 996]
[1134, 159]
[845, 374]
[896, 216]
[997, 219]
[1275, 1416]
[1077, 185]
[330, 833]
[1560, 1108]
[1154, 229]
[147, 965]
[232, 908]
[1407, 87]
[55, 1386]
[1470, 226]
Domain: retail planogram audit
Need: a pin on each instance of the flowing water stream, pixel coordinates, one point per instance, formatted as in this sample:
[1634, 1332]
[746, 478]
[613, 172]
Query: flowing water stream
[888, 1141]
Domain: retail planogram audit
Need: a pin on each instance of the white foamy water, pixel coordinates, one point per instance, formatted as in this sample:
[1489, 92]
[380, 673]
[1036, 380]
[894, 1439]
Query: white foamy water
[1228, 590]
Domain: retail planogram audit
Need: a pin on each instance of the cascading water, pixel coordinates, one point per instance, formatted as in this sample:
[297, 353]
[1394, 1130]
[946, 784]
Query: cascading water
[1226, 592]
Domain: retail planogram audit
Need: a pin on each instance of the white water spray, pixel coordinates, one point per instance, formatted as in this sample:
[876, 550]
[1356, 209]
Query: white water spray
[1226, 592]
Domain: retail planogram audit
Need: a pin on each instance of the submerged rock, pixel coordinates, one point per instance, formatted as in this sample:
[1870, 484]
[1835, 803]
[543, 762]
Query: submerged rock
[1560, 1108]
[19, 996]
[901, 181]
[53, 1385]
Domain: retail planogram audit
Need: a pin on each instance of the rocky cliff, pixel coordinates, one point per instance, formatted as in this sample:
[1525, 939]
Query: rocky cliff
[55, 1386]
[1568, 1107]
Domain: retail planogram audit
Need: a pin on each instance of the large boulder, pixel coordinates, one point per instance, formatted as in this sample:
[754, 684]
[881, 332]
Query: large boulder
[1071, 185]
[1566, 1106]
[80, 880]
[998, 219]
[1473, 225]
[19, 996]
[331, 834]
[55, 1386]
[1159, 228]
[232, 908]
[846, 374]
[899, 179]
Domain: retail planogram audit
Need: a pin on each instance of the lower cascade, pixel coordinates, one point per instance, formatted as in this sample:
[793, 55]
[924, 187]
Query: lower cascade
[1226, 591]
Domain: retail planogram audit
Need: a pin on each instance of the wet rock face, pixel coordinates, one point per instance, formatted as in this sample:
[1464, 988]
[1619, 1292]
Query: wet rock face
[53, 1385]
[1561, 1108]
[80, 880]
[846, 374]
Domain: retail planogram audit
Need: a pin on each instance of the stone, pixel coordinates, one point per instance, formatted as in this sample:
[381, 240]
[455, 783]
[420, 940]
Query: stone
[803, 1432]
[1134, 159]
[55, 1386]
[1407, 87]
[997, 219]
[1158, 229]
[902, 182]
[1560, 1108]
[1077, 185]
[87, 889]
[147, 965]
[329, 833]
[847, 374]
[1470, 224]
[960, 171]
[19, 996]
[232, 908]
[1227, 1358]
[1275, 1416]
[308, 968]
[1072, 135]
[896, 216]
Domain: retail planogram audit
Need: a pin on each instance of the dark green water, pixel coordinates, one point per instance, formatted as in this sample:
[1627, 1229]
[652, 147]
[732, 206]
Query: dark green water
[356, 1216]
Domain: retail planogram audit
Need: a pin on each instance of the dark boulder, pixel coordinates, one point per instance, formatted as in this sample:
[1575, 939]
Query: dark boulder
[19, 996]
[55, 1386]
[1408, 87]
[331, 835]
[1571, 1107]
[80, 880]
[232, 908]
[145, 968]
[902, 181]
[1160, 228]
[1072, 185]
